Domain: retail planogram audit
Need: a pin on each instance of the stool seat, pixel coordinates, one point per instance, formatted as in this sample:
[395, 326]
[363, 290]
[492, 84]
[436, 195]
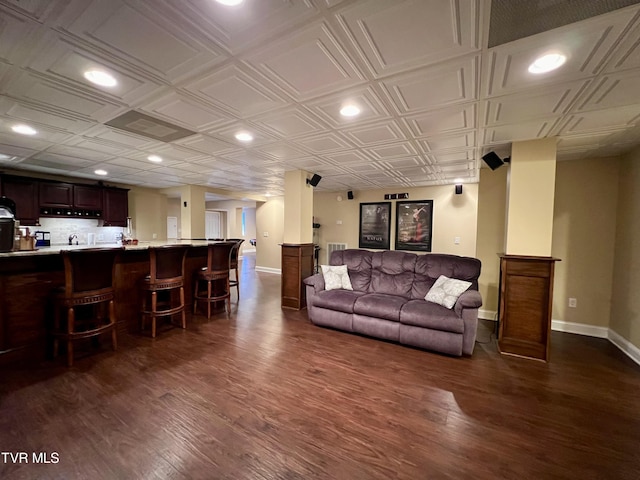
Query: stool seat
[166, 278]
[87, 298]
[216, 276]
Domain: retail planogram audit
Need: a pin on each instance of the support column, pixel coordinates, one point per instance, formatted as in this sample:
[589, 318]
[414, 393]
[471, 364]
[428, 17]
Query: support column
[297, 249]
[193, 206]
[527, 268]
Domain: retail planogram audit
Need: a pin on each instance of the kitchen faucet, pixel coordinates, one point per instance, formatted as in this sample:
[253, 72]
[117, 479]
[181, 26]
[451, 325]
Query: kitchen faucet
[71, 237]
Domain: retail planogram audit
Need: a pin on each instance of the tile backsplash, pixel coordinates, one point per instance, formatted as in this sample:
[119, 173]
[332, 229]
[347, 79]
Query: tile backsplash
[62, 228]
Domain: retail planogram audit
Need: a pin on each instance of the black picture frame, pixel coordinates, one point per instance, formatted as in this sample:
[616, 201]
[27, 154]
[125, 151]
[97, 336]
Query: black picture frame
[414, 225]
[375, 225]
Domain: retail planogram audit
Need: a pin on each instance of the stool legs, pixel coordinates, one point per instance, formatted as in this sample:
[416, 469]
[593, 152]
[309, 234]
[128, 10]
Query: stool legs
[154, 309]
[70, 329]
[112, 321]
[184, 313]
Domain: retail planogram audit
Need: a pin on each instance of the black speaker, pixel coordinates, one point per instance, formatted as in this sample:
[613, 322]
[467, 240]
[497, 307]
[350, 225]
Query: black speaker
[350, 195]
[458, 189]
[315, 180]
[492, 160]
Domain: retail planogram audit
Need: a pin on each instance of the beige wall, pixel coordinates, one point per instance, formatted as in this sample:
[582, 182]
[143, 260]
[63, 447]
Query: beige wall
[453, 216]
[625, 308]
[531, 176]
[492, 198]
[269, 219]
[148, 212]
[584, 223]
[298, 207]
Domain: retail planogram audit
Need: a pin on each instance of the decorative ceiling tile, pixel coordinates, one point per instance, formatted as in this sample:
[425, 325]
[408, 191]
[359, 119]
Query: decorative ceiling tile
[611, 90]
[290, 123]
[379, 133]
[183, 111]
[307, 64]
[324, 143]
[36, 114]
[600, 121]
[397, 35]
[437, 143]
[364, 98]
[393, 150]
[449, 120]
[521, 131]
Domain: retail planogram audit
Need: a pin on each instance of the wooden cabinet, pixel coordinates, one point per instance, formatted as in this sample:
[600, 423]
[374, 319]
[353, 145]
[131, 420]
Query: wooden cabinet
[526, 297]
[297, 264]
[87, 197]
[56, 194]
[115, 207]
[24, 192]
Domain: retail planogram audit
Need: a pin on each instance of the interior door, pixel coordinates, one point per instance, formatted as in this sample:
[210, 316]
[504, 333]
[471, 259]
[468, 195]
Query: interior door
[172, 227]
[212, 226]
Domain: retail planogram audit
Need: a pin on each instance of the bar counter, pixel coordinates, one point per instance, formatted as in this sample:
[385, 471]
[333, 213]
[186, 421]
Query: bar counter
[27, 279]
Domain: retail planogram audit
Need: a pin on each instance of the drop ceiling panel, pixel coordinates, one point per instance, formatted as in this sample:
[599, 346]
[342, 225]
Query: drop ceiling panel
[612, 90]
[142, 36]
[235, 91]
[34, 114]
[521, 131]
[307, 64]
[392, 150]
[324, 143]
[434, 87]
[544, 102]
[386, 132]
[281, 151]
[15, 34]
[601, 120]
[206, 144]
[437, 143]
[290, 123]
[365, 98]
[443, 121]
[180, 110]
[91, 154]
[111, 135]
[627, 54]
[587, 46]
[397, 35]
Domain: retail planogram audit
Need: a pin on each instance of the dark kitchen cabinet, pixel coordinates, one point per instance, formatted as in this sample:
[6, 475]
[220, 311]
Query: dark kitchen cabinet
[87, 196]
[56, 194]
[24, 192]
[115, 205]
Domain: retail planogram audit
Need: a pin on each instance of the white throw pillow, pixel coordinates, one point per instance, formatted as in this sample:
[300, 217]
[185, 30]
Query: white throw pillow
[336, 277]
[446, 291]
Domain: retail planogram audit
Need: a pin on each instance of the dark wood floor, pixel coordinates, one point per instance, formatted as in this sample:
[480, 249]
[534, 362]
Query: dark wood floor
[264, 394]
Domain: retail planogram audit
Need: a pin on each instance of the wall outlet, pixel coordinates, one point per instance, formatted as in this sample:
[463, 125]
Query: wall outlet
[573, 302]
[154, 236]
[456, 240]
[338, 222]
[101, 237]
[265, 234]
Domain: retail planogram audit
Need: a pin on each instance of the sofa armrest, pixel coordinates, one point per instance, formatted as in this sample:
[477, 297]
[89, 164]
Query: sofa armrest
[316, 281]
[469, 299]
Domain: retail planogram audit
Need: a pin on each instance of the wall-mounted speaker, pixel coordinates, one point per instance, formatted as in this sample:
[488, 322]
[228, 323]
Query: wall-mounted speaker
[492, 160]
[350, 195]
[315, 180]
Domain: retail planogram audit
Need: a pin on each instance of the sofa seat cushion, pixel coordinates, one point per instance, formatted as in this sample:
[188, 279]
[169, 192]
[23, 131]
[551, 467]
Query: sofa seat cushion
[421, 313]
[339, 300]
[380, 305]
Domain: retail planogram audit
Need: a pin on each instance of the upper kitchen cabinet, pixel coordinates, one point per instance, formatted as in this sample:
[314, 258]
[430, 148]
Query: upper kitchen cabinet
[87, 197]
[115, 206]
[24, 192]
[56, 194]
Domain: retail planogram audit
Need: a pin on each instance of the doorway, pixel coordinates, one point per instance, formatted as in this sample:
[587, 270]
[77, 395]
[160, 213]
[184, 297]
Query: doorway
[213, 225]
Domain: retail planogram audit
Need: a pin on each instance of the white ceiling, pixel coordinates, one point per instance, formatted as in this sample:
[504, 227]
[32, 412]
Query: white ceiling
[434, 98]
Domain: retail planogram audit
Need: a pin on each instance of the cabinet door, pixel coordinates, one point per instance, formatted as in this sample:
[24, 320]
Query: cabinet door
[86, 196]
[115, 207]
[24, 192]
[56, 194]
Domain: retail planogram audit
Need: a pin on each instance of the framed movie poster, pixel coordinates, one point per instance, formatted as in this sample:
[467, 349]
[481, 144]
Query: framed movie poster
[414, 221]
[375, 225]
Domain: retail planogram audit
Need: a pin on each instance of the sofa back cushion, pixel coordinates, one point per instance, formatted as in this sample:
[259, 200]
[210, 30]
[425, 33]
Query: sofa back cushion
[430, 266]
[358, 264]
[392, 273]
[401, 273]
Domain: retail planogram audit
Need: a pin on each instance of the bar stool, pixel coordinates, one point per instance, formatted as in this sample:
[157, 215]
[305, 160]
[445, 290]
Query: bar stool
[216, 276]
[165, 279]
[87, 297]
[234, 263]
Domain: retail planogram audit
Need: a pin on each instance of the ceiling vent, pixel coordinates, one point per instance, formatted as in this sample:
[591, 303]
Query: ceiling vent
[146, 126]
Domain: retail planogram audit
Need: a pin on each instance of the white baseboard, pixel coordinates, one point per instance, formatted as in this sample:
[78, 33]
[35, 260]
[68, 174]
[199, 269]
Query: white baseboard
[580, 329]
[277, 271]
[625, 345]
[488, 314]
[618, 340]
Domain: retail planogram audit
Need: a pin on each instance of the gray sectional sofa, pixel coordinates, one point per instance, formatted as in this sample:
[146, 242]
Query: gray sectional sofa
[387, 300]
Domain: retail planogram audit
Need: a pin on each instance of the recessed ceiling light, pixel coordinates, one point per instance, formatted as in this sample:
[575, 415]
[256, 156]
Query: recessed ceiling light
[547, 63]
[154, 158]
[100, 77]
[230, 3]
[100, 172]
[244, 136]
[24, 129]
[349, 111]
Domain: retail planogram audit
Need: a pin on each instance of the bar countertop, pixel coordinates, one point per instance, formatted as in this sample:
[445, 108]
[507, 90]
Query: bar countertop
[56, 249]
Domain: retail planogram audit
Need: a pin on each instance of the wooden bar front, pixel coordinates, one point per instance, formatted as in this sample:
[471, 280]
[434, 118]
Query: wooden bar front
[297, 264]
[26, 282]
[526, 297]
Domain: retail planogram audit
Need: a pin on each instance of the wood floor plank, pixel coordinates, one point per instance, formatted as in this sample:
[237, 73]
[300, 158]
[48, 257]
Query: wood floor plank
[261, 393]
